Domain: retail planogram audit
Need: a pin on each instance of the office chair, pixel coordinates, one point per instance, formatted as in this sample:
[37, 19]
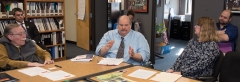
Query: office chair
[230, 66]
[149, 64]
[216, 70]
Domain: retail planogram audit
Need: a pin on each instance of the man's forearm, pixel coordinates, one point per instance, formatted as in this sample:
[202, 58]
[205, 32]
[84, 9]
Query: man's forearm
[137, 57]
[102, 52]
[223, 37]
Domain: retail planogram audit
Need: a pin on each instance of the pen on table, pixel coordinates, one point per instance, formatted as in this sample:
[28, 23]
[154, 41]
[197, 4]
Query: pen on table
[58, 66]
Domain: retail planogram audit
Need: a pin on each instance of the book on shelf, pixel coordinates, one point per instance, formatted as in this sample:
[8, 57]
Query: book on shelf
[3, 24]
[7, 6]
[44, 8]
[53, 38]
[57, 51]
[48, 24]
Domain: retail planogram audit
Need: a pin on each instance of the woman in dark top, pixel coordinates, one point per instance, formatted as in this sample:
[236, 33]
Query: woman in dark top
[200, 54]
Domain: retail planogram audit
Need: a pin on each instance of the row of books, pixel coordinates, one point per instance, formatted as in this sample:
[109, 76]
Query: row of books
[44, 9]
[7, 6]
[47, 24]
[53, 38]
[3, 24]
[57, 51]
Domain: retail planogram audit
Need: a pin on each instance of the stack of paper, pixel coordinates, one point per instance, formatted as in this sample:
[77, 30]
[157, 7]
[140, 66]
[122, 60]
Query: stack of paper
[83, 58]
[57, 75]
[33, 71]
[166, 77]
[110, 61]
[143, 74]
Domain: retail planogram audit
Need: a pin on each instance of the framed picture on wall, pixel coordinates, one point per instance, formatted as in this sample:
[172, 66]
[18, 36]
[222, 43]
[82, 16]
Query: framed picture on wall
[233, 5]
[138, 5]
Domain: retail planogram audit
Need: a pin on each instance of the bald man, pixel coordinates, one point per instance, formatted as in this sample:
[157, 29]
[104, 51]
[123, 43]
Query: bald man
[227, 32]
[125, 43]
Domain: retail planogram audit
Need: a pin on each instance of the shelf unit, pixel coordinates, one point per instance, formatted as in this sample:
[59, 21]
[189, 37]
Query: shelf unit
[60, 16]
[57, 16]
[6, 18]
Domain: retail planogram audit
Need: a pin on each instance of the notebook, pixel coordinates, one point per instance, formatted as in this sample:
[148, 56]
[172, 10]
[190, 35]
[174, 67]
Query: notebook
[4, 77]
[83, 58]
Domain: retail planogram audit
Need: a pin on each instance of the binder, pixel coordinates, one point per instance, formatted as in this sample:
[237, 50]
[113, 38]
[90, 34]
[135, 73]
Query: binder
[4, 77]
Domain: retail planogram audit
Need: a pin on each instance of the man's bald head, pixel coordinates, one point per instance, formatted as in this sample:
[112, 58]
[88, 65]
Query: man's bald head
[225, 17]
[124, 17]
[228, 12]
[124, 25]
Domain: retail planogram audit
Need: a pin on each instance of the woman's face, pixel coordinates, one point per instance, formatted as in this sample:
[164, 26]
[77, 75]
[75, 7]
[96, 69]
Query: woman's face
[197, 29]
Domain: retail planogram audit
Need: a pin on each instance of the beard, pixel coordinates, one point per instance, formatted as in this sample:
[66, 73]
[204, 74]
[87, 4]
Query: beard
[223, 23]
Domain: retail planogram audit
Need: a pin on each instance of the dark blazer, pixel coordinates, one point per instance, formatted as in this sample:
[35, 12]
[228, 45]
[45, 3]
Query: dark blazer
[32, 31]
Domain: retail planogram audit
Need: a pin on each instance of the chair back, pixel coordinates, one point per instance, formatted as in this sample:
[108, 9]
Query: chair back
[216, 68]
[230, 68]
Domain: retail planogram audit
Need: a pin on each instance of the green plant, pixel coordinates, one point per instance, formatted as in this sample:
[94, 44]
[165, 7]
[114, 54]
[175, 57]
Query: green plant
[160, 28]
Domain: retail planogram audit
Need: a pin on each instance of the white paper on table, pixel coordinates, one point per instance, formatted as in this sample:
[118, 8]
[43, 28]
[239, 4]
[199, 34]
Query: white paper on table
[111, 61]
[57, 75]
[81, 9]
[166, 77]
[83, 58]
[143, 74]
[33, 71]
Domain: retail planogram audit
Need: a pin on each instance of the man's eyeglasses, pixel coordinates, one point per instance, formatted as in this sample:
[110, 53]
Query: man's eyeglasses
[20, 34]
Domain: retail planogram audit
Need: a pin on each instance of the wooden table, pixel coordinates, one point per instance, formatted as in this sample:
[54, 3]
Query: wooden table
[132, 69]
[81, 70]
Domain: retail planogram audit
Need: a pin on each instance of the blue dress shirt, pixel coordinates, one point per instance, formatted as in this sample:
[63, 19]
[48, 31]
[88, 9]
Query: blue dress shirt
[134, 39]
[231, 31]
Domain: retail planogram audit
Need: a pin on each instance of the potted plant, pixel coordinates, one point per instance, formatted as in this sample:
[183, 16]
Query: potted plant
[160, 29]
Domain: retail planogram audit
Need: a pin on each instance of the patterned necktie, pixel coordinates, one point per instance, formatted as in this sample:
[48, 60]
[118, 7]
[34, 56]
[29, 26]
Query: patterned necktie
[23, 27]
[120, 52]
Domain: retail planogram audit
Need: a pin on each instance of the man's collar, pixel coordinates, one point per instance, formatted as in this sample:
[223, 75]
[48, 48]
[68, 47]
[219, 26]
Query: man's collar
[219, 25]
[20, 23]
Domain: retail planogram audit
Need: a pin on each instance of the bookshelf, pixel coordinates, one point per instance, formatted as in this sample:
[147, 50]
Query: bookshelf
[48, 16]
[6, 18]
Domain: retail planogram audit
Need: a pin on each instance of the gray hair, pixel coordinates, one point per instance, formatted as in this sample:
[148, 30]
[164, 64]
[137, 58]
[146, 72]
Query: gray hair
[8, 29]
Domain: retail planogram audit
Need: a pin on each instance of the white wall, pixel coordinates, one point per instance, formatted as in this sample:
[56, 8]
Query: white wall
[70, 20]
[173, 4]
[160, 12]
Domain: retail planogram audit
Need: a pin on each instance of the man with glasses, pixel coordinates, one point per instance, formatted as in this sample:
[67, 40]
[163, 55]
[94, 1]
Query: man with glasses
[29, 27]
[17, 51]
[226, 31]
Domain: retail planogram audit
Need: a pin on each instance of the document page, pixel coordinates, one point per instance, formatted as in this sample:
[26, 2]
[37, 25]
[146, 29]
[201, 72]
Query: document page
[33, 71]
[57, 75]
[111, 61]
[166, 77]
[142, 74]
[83, 58]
